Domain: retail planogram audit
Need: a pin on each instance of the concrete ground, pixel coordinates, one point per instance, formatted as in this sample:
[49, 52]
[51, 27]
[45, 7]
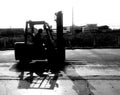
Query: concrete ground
[90, 72]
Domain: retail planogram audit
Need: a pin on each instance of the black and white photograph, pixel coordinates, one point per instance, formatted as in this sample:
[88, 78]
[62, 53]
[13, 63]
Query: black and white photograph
[59, 47]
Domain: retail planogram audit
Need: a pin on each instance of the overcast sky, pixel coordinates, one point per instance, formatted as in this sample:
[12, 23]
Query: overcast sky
[14, 13]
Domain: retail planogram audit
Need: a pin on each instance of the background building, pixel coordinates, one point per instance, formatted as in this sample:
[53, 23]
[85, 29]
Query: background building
[90, 28]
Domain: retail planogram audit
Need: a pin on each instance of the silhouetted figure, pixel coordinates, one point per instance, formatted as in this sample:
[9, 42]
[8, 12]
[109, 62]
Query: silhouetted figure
[38, 45]
[38, 38]
[52, 55]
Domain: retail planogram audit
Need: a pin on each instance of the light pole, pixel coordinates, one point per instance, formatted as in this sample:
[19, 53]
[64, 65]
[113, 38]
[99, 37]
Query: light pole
[72, 19]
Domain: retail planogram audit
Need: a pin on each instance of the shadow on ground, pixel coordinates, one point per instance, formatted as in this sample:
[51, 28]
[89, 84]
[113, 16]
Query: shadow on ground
[81, 85]
[37, 82]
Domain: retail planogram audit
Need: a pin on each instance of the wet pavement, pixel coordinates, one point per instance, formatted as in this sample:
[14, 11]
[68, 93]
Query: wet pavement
[90, 72]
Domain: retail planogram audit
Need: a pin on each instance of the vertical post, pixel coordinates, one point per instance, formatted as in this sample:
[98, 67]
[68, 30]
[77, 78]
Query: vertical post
[60, 39]
[118, 40]
[25, 35]
[94, 40]
[72, 20]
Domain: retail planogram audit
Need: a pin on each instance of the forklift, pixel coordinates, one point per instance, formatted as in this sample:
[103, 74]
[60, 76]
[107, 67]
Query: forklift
[36, 58]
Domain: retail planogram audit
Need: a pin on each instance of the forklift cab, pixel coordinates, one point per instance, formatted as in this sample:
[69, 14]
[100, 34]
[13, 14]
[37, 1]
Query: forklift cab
[29, 50]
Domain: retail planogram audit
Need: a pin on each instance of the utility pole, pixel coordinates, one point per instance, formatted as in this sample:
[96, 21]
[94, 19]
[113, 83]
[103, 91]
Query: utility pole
[72, 20]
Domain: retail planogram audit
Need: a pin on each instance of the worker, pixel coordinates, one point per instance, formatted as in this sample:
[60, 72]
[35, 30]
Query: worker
[37, 40]
[51, 56]
[38, 44]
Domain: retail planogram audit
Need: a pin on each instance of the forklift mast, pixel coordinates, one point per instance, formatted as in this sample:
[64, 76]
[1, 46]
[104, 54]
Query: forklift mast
[60, 39]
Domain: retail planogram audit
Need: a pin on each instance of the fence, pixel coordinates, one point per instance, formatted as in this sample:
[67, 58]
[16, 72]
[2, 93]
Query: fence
[78, 40]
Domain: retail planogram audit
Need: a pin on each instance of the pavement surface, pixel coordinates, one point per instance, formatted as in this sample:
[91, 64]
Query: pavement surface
[90, 72]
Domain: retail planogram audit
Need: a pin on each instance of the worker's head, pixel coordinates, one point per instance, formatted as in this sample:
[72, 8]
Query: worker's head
[40, 31]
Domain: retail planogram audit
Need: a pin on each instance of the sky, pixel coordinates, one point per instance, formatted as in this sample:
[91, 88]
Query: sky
[14, 13]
